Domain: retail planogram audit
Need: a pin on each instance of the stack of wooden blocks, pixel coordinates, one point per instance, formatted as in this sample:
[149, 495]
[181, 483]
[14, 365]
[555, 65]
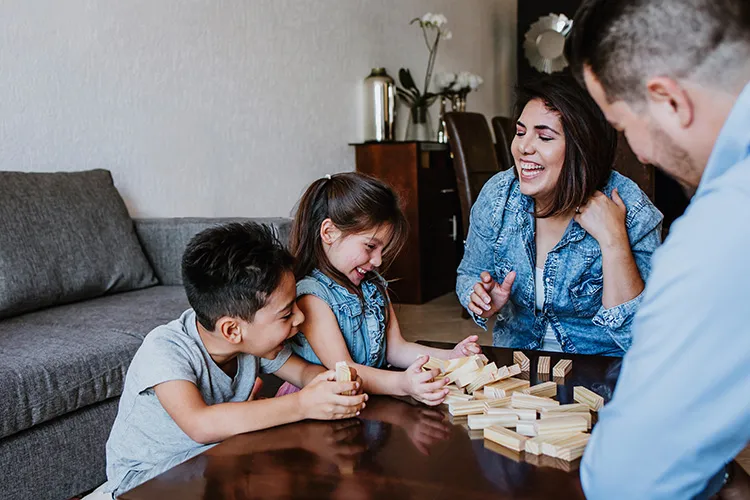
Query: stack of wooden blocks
[495, 401]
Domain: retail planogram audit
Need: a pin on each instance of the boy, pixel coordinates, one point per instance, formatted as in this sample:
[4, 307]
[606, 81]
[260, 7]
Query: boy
[191, 382]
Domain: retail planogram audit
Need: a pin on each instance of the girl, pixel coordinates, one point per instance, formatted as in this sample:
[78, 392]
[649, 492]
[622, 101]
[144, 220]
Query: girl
[349, 227]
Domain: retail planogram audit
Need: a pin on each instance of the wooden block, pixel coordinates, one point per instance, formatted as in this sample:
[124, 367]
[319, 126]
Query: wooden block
[456, 398]
[472, 364]
[534, 445]
[344, 374]
[462, 408]
[572, 408]
[519, 400]
[569, 448]
[505, 437]
[585, 415]
[562, 368]
[505, 388]
[483, 421]
[497, 403]
[452, 365]
[487, 375]
[522, 360]
[440, 364]
[588, 397]
[543, 365]
[522, 414]
[543, 390]
[559, 425]
[526, 428]
[514, 370]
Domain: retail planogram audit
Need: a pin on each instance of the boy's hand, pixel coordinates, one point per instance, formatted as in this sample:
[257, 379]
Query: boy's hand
[466, 347]
[421, 386]
[322, 398]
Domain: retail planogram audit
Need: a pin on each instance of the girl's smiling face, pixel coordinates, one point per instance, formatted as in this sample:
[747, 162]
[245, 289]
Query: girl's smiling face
[356, 254]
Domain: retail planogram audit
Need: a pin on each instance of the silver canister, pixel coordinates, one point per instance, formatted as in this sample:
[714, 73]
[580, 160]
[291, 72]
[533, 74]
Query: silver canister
[379, 106]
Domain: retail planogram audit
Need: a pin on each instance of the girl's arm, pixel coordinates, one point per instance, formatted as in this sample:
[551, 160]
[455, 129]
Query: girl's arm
[322, 331]
[401, 353]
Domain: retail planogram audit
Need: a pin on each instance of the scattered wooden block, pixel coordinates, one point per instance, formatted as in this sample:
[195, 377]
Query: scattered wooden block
[457, 398]
[497, 403]
[344, 374]
[514, 370]
[534, 445]
[483, 421]
[505, 437]
[432, 363]
[519, 400]
[487, 375]
[522, 360]
[562, 368]
[521, 413]
[474, 364]
[569, 448]
[586, 416]
[543, 390]
[560, 425]
[572, 408]
[542, 365]
[588, 397]
[456, 363]
[505, 388]
[526, 428]
[463, 408]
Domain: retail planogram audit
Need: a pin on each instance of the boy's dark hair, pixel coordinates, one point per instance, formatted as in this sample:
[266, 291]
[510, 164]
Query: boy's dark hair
[590, 142]
[624, 42]
[232, 270]
[354, 202]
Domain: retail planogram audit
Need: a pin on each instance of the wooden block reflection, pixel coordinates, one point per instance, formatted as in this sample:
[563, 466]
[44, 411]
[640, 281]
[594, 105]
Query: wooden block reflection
[502, 450]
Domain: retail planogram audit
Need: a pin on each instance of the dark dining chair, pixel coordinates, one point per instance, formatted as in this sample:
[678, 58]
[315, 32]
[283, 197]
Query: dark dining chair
[474, 158]
[504, 129]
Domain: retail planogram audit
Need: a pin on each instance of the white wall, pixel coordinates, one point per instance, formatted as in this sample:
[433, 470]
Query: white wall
[220, 107]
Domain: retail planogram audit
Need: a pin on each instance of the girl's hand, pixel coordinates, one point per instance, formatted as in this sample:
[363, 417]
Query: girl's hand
[489, 296]
[604, 219]
[466, 347]
[356, 378]
[323, 399]
[421, 386]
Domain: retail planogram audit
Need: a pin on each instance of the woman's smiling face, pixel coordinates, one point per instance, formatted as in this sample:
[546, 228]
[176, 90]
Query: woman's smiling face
[538, 150]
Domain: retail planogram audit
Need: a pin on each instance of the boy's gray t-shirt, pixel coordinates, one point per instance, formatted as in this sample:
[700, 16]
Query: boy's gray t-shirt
[145, 441]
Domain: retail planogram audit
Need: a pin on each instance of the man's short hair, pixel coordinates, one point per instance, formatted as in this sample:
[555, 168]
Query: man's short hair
[625, 42]
[232, 270]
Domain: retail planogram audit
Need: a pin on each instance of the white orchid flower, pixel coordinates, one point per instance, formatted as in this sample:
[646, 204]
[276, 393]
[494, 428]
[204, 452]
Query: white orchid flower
[447, 35]
[444, 80]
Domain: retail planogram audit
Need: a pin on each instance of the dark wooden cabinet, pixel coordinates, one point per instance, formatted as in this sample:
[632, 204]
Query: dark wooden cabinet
[422, 175]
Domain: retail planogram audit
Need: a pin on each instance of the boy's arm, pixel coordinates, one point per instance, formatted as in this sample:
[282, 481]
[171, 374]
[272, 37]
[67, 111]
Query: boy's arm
[299, 372]
[212, 423]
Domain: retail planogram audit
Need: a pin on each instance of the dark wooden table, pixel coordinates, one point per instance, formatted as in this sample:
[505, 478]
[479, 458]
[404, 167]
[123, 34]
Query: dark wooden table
[395, 449]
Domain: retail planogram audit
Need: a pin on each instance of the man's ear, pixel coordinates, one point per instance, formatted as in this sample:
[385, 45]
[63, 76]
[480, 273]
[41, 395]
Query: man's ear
[229, 329]
[670, 104]
[329, 233]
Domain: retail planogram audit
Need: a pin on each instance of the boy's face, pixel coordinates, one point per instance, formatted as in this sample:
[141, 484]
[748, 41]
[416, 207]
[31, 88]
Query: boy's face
[275, 322]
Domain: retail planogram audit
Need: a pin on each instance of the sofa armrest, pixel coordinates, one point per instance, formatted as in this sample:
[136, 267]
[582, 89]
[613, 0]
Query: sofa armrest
[164, 240]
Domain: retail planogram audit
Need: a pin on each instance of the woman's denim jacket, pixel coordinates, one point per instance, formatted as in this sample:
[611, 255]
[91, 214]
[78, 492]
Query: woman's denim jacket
[363, 328]
[501, 239]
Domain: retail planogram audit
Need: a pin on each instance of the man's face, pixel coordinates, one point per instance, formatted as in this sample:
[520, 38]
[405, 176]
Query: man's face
[651, 143]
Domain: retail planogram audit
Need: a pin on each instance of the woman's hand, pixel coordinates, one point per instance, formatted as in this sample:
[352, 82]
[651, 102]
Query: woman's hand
[604, 219]
[466, 347]
[489, 296]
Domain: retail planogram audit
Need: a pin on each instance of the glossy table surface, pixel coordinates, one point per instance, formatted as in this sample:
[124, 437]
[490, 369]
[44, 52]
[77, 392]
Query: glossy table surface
[395, 449]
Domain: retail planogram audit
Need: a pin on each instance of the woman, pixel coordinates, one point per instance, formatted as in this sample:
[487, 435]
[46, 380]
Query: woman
[560, 245]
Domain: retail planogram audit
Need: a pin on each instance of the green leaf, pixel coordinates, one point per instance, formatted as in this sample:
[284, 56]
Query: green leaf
[404, 76]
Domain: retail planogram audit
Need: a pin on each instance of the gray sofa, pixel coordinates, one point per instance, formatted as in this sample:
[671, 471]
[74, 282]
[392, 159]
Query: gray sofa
[81, 284]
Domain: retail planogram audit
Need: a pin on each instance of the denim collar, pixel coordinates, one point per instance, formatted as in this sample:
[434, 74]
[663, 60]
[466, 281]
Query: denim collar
[368, 288]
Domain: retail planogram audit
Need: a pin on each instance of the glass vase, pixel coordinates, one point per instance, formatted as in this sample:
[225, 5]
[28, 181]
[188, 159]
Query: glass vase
[419, 127]
[458, 103]
[442, 132]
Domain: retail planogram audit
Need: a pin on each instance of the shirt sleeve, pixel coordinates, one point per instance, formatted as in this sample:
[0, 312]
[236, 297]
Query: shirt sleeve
[645, 237]
[164, 356]
[479, 246]
[681, 410]
[272, 365]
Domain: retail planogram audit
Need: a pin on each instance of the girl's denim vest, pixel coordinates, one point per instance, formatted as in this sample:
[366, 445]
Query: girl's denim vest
[361, 325]
[501, 239]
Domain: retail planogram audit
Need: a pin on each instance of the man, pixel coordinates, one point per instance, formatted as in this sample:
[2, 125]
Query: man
[673, 75]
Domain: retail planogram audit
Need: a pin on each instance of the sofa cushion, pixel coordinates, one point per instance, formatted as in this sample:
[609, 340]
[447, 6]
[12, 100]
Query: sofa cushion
[61, 359]
[64, 237]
